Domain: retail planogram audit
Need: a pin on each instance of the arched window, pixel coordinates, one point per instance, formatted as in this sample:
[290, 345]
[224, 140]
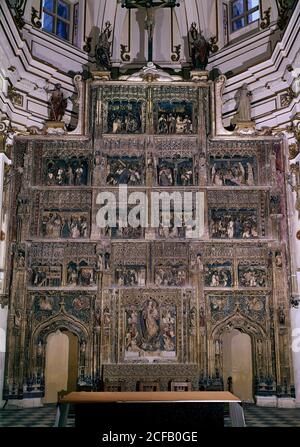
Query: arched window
[243, 13]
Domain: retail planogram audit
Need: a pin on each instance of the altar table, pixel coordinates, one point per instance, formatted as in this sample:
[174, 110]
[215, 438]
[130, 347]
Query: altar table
[151, 409]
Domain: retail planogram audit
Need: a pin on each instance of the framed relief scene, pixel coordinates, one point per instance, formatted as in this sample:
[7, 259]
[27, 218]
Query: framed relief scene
[174, 117]
[124, 117]
[237, 171]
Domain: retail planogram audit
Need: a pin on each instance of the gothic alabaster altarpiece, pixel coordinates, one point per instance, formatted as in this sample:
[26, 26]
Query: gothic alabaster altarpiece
[148, 303]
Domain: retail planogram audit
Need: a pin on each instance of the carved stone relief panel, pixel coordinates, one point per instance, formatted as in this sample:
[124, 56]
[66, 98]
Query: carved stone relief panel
[55, 265]
[131, 374]
[172, 117]
[233, 171]
[171, 274]
[66, 172]
[62, 162]
[114, 220]
[238, 215]
[125, 171]
[176, 109]
[58, 214]
[124, 109]
[130, 275]
[218, 274]
[252, 275]
[120, 109]
[124, 253]
[175, 171]
[240, 163]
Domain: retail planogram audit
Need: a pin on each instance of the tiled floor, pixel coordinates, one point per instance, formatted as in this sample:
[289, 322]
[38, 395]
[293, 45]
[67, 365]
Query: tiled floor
[271, 417]
[45, 417]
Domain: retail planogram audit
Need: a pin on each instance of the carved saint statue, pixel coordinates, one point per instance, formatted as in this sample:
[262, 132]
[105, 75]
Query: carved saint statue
[200, 48]
[103, 48]
[243, 100]
[58, 104]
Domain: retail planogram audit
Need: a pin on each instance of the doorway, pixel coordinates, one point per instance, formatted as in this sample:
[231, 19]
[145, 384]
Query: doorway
[61, 364]
[237, 364]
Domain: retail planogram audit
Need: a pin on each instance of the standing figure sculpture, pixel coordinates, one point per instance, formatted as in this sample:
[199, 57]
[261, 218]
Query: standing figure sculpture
[58, 104]
[243, 100]
[103, 48]
[199, 47]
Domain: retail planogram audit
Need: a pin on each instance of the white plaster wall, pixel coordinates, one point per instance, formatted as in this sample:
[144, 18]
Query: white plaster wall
[3, 326]
[295, 321]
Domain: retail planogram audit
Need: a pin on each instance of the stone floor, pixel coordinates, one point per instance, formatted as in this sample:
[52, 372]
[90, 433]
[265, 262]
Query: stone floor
[45, 417]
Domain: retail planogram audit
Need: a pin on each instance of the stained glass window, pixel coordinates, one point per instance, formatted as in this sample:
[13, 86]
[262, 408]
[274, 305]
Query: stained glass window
[57, 18]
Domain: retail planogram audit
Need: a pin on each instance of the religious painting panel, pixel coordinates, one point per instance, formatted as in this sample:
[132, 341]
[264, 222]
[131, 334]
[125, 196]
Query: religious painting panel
[233, 223]
[174, 117]
[252, 306]
[79, 306]
[124, 117]
[47, 305]
[233, 171]
[218, 274]
[150, 330]
[124, 170]
[176, 171]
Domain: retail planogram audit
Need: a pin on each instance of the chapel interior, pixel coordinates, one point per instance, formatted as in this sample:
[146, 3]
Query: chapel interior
[190, 97]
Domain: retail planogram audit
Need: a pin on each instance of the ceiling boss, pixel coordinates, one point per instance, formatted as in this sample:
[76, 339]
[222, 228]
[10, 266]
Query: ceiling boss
[150, 6]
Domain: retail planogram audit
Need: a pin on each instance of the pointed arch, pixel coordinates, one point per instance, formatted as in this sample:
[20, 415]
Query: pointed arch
[60, 321]
[241, 323]
[37, 348]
